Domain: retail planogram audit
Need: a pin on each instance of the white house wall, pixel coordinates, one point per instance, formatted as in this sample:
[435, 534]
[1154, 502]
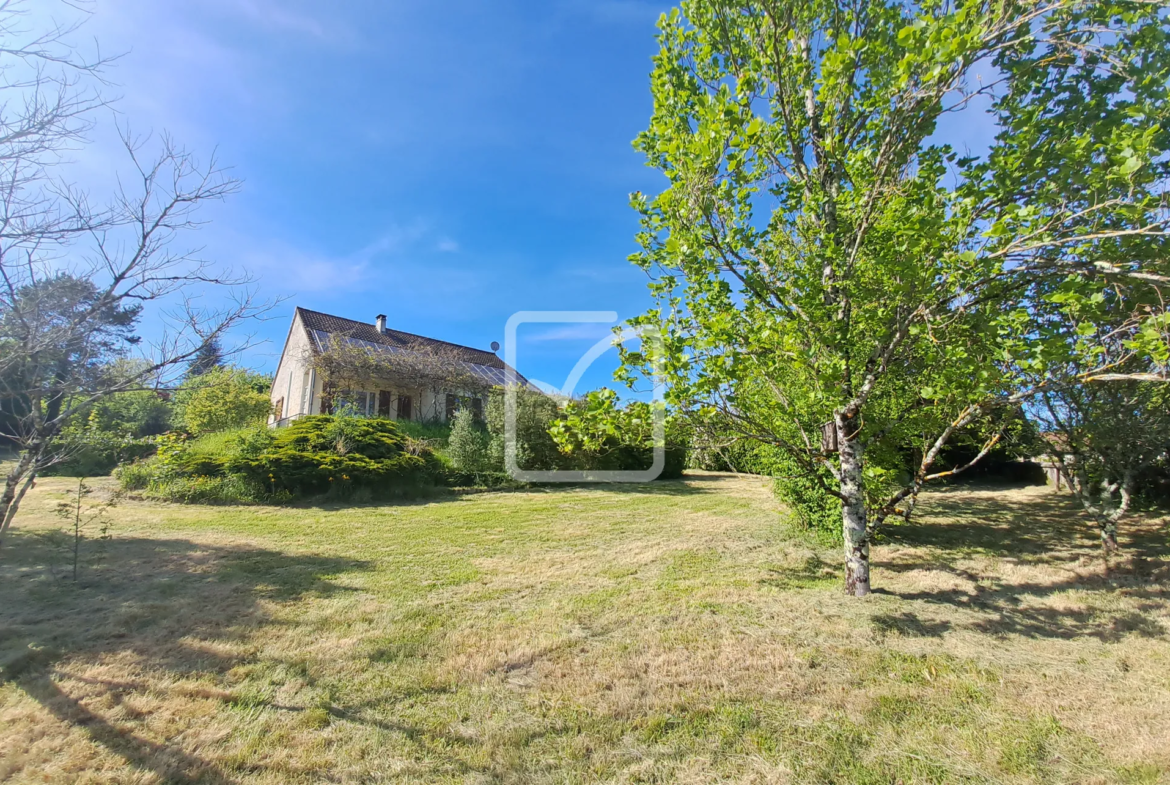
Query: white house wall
[289, 379]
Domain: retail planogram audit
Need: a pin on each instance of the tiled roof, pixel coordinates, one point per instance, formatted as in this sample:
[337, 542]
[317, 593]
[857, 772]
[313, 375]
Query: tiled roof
[366, 331]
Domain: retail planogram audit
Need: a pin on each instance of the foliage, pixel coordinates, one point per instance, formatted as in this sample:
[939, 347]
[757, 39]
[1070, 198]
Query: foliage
[469, 443]
[341, 457]
[222, 399]
[834, 281]
[82, 516]
[33, 383]
[536, 450]
[805, 496]
[323, 454]
[209, 357]
[1104, 436]
[204, 489]
[90, 452]
[189, 470]
[136, 413]
[434, 434]
[596, 432]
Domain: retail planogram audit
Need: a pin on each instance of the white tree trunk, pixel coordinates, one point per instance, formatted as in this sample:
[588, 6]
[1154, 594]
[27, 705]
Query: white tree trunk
[853, 513]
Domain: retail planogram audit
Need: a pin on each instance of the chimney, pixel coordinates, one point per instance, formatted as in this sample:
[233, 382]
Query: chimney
[380, 322]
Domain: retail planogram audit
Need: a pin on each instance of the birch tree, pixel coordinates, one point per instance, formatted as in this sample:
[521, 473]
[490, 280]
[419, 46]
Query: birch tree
[832, 277]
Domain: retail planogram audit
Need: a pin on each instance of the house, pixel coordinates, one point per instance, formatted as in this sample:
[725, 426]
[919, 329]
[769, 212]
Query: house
[330, 363]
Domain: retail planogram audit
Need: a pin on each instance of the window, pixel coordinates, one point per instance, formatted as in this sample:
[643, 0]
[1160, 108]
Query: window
[278, 410]
[458, 402]
[383, 403]
[358, 402]
[404, 407]
[305, 393]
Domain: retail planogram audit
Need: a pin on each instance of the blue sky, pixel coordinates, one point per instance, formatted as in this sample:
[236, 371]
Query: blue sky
[445, 163]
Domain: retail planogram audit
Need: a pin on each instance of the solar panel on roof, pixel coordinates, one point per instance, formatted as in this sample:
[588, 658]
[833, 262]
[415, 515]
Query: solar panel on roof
[497, 377]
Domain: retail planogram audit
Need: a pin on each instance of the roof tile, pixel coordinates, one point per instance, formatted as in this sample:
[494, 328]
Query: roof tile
[335, 325]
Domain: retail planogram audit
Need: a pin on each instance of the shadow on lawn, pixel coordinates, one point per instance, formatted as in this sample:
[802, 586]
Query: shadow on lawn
[1032, 530]
[149, 598]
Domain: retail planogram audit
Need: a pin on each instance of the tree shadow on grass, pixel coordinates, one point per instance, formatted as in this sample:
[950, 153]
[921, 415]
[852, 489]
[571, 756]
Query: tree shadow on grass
[155, 600]
[1034, 529]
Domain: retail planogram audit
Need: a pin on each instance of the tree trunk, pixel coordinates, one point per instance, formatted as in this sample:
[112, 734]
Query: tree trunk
[853, 514]
[14, 491]
[1115, 514]
[1109, 536]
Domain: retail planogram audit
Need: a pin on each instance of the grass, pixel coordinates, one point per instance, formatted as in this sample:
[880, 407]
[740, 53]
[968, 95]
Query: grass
[660, 633]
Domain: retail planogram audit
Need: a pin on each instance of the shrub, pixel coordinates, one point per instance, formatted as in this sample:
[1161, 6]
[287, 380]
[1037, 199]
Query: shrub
[222, 399]
[535, 447]
[136, 413]
[92, 452]
[468, 445]
[324, 454]
[597, 433]
[813, 508]
[199, 489]
[342, 457]
[434, 434]
[136, 476]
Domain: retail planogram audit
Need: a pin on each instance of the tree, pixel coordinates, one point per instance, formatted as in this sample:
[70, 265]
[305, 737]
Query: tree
[1102, 436]
[223, 399]
[120, 260]
[832, 279]
[468, 444]
[56, 300]
[208, 358]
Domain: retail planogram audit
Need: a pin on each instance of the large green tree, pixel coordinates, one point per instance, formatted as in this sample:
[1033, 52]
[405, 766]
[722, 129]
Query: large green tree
[834, 279]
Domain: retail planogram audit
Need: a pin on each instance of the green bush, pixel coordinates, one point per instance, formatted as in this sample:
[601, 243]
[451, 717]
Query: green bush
[198, 489]
[136, 413]
[91, 452]
[814, 509]
[536, 450]
[342, 457]
[136, 476]
[435, 434]
[324, 454]
[468, 445]
[222, 399]
[595, 433]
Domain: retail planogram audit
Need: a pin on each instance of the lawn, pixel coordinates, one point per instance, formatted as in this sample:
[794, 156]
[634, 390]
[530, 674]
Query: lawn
[676, 631]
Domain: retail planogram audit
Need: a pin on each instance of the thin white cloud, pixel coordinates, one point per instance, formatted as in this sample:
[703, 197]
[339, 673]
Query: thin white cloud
[447, 245]
[571, 332]
[278, 17]
[292, 269]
